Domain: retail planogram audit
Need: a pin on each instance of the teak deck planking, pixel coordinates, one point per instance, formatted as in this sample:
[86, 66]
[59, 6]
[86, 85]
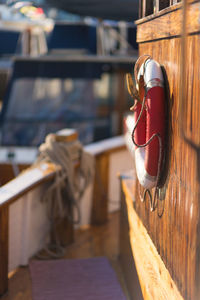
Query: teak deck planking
[176, 233]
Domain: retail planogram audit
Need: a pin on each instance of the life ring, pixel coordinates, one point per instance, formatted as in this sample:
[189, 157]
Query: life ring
[149, 133]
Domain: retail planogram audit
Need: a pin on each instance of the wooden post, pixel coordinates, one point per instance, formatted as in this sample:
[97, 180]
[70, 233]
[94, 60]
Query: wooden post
[100, 191]
[3, 250]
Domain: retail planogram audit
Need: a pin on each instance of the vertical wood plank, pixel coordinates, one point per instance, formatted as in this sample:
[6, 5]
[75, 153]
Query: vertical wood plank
[100, 191]
[3, 250]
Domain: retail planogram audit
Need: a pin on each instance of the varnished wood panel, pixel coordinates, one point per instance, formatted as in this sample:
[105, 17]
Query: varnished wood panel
[155, 280]
[168, 24]
[3, 250]
[176, 233]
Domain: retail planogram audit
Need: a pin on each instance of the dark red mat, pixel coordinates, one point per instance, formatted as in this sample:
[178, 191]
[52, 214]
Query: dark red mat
[75, 279]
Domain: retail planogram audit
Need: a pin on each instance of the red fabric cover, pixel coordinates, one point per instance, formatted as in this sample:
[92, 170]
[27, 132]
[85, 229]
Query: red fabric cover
[155, 123]
[140, 132]
[152, 121]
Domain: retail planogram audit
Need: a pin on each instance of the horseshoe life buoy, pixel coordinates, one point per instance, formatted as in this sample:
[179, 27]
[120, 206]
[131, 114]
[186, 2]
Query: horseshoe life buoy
[152, 122]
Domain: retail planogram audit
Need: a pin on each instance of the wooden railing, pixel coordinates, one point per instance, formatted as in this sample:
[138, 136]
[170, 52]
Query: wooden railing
[149, 7]
[10, 193]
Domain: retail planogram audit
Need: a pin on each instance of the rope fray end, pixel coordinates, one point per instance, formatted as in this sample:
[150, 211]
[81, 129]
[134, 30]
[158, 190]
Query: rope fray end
[135, 93]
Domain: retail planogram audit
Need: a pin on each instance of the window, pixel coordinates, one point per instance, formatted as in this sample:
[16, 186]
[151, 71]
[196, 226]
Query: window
[149, 7]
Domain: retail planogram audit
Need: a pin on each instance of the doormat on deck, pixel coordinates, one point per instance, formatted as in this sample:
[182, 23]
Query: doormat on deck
[75, 279]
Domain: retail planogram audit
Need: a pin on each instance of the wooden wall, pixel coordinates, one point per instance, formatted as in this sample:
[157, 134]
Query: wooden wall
[176, 232]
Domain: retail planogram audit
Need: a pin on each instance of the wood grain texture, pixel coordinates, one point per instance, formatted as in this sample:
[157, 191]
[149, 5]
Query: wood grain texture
[168, 24]
[176, 233]
[3, 250]
[155, 280]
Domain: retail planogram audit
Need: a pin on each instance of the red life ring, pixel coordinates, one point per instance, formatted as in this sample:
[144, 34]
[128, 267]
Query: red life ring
[152, 123]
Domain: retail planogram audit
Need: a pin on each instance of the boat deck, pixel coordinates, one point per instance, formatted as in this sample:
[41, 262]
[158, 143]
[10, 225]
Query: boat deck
[90, 241]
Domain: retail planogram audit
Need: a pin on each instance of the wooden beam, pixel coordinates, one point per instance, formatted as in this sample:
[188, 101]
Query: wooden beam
[25, 182]
[3, 250]
[100, 190]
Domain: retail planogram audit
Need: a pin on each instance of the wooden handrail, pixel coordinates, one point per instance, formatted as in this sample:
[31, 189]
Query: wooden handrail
[34, 176]
[25, 182]
[106, 146]
[9, 193]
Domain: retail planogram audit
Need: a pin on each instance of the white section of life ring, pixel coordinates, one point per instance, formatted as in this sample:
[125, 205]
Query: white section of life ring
[130, 124]
[144, 178]
[152, 71]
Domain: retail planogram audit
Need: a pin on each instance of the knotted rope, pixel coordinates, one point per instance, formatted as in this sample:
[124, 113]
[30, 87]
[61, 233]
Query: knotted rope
[69, 183]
